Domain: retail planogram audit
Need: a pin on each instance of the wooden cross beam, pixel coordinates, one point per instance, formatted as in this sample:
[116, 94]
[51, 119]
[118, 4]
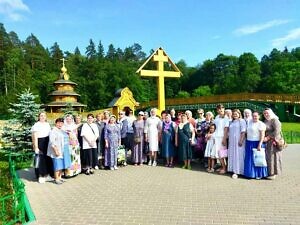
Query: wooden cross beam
[160, 57]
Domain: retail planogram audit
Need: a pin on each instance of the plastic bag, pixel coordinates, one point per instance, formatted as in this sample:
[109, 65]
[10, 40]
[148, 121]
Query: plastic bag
[259, 157]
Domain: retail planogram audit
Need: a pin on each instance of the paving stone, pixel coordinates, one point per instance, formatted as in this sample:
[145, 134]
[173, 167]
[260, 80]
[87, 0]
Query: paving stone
[147, 195]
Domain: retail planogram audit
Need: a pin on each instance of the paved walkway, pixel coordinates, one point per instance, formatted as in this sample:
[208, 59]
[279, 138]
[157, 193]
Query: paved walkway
[148, 195]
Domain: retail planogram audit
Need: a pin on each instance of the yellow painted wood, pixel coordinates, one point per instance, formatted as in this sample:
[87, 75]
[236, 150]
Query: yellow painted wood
[160, 57]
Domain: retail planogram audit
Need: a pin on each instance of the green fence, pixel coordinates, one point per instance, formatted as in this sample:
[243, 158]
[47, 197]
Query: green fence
[292, 137]
[15, 208]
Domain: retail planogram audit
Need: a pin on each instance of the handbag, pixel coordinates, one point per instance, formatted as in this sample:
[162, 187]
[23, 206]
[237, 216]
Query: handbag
[137, 139]
[259, 157]
[146, 148]
[223, 152]
[193, 141]
[281, 144]
[36, 161]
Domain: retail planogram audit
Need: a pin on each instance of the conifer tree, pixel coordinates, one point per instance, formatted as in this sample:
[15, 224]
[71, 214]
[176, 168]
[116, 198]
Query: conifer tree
[17, 131]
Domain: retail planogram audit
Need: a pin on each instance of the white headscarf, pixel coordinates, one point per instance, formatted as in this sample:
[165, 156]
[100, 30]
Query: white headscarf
[272, 114]
[71, 126]
[250, 113]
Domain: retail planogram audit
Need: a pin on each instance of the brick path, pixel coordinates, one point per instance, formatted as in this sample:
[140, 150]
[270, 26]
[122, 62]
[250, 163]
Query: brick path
[147, 195]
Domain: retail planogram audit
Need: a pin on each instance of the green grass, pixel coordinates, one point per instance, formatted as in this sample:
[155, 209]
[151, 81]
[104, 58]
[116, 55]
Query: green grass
[291, 132]
[290, 127]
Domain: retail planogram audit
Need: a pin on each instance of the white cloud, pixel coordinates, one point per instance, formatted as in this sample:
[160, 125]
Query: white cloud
[291, 36]
[13, 8]
[216, 37]
[251, 29]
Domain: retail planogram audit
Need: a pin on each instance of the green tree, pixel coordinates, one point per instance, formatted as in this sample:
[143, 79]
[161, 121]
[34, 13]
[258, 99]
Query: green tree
[183, 94]
[111, 52]
[100, 52]
[56, 56]
[225, 72]
[91, 52]
[248, 77]
[16, 133]
[202, 91]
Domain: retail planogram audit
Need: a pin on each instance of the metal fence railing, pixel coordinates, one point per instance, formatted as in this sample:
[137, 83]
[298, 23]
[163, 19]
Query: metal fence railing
[292, 137]
[15, 208]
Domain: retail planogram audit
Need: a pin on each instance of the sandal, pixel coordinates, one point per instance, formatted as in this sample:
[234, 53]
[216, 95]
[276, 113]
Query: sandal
[222, 171]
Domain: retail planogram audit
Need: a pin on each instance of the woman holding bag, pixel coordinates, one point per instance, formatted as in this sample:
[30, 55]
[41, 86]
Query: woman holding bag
[255, 136]
[273, 135]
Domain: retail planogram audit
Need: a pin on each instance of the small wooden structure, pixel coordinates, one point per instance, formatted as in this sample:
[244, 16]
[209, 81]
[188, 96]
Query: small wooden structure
[64, 95]
[123, 101]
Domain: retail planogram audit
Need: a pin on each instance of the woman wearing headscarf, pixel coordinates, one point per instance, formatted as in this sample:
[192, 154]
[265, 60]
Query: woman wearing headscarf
[168, 140]
[273, 153]
[184, 135]
[247, 115]
[74, 150]
[112, 136]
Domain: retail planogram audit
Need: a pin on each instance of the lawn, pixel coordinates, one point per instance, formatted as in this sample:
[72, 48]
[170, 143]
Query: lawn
[291, 127]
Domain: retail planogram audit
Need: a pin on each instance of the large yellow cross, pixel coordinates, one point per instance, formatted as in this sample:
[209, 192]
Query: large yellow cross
[160, 57]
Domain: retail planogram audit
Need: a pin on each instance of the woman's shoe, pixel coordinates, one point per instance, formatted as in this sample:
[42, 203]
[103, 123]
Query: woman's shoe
[189, 167]
[184, 167]
[87, 172]
[171, 165]
[116, 168]
[58, 182]
[234, 176]
[273, 177]
[222, 171]
[111, 168]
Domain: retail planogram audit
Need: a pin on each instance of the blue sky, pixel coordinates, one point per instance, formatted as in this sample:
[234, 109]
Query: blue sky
[192, 30]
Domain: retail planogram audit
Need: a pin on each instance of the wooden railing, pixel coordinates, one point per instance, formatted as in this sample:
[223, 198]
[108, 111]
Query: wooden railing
[250, 97]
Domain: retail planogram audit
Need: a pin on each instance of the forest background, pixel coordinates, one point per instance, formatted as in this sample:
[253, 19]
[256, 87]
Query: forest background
[99, 72]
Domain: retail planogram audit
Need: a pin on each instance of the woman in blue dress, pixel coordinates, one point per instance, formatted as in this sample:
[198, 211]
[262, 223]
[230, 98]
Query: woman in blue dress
[112, 135]
[58, 150]
[167, 140]
[255, 136]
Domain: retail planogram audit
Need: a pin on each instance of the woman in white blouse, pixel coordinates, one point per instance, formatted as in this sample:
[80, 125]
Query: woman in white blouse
[40, 139]
[90, 134]
[255, 136]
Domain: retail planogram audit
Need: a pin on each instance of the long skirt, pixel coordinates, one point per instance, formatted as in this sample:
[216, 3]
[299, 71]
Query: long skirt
[111, 157]
[137, 153]
[274, 159]
[167, 145]
[250, 170]
[87, 160]
[44, 165]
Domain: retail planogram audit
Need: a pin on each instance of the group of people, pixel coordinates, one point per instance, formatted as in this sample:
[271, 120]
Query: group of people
[224, 143]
